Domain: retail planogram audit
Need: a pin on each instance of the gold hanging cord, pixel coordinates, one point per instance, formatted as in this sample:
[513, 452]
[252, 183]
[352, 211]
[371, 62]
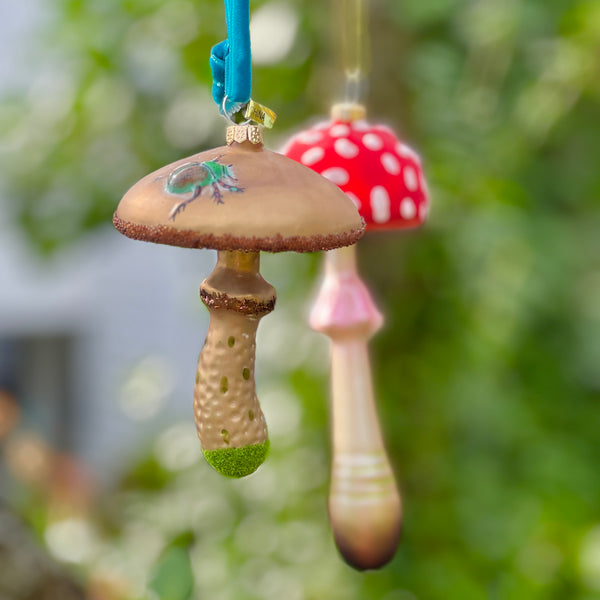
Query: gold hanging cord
[354, 28]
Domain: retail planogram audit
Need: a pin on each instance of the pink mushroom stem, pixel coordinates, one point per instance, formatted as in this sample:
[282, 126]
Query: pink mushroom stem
[364, 503]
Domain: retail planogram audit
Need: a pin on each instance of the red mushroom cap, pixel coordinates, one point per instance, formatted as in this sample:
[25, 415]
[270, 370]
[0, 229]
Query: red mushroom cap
[381, 174]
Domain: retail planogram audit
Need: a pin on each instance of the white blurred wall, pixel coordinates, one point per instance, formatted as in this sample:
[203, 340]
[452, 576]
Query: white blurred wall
[131, 309]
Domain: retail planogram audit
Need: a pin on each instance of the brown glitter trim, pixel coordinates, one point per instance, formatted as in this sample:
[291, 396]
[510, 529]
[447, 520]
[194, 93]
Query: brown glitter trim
[245, 306]
[163, 234]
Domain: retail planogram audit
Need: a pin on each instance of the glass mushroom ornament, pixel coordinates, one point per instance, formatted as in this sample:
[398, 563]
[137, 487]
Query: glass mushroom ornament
[384, 178]
[239, 199]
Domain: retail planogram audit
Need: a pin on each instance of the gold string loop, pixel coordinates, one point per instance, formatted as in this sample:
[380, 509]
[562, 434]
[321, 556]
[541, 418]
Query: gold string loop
[354, 42]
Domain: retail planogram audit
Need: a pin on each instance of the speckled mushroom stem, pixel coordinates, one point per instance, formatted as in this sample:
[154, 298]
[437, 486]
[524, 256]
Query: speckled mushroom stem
[230, 422]
[364, 503]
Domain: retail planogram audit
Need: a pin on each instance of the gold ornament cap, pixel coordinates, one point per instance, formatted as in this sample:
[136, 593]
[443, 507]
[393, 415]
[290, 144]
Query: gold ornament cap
[244, 133]
[348, 112]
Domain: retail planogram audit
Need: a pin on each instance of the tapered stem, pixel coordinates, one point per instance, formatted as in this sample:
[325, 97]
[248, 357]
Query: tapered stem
[364, 504]
[230, 422]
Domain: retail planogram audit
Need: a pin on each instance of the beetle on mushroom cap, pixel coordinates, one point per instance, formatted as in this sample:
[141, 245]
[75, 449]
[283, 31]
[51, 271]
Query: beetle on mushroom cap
[238, 197]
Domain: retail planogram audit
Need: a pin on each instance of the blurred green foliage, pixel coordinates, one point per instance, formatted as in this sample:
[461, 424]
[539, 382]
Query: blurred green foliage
[488, 371]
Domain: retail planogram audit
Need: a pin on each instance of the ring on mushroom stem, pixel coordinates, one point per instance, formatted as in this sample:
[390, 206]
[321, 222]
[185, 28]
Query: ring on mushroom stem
[239, 199]
[384, 178]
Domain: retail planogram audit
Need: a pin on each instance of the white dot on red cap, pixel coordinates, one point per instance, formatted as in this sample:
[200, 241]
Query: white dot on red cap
[372, 141]
[336, 175]
[410, 179]
[408, 210]
[380, 204]
[339, 130]
[354, 199]
[312, 155]
[322, 125]
[309, 137]
[407, 152]
[361, 125]
[390, 163]
[345, 148]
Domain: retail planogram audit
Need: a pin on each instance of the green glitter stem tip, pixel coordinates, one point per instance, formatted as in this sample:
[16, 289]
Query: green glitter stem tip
[237, 462]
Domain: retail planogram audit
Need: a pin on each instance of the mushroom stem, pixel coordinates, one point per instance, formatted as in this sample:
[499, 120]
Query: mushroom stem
[364, 504]
[230, 422]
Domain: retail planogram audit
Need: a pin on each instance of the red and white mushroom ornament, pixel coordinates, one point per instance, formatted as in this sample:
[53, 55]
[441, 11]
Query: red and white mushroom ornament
[384, 178]
[381, 174]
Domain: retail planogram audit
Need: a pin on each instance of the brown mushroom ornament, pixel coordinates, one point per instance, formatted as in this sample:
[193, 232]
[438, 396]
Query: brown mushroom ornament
[238, 199]
[384, 178]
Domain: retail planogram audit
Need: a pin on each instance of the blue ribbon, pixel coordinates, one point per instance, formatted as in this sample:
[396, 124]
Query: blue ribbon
[231, 60]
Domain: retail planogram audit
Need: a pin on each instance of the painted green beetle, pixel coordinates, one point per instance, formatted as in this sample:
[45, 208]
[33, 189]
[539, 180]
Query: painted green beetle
[195, 176]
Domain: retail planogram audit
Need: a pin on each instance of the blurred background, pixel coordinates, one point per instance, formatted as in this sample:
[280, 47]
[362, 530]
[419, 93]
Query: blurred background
[487, 371]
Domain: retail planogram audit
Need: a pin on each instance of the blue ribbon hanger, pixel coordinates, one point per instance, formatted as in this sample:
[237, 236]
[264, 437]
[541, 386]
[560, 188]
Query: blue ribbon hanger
[231, 60]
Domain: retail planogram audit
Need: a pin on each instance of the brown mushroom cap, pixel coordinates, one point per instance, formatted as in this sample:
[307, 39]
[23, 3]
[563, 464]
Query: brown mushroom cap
[264, 201]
